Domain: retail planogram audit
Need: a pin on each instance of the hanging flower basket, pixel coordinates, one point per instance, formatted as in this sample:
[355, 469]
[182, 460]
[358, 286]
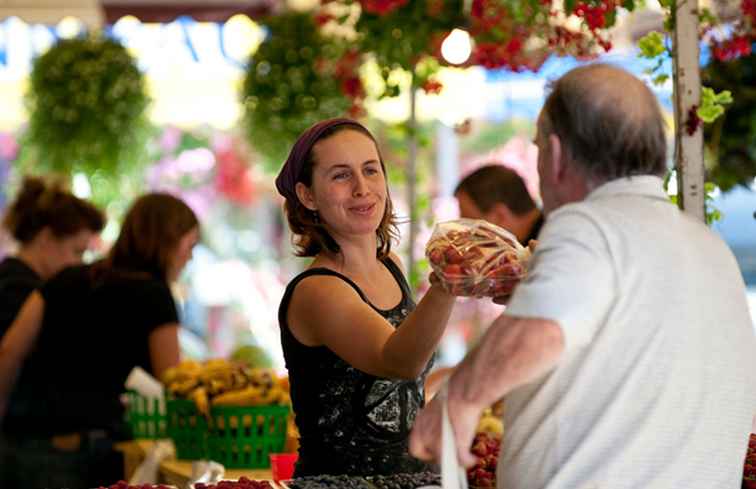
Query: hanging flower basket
[293, 80]
[87, 102]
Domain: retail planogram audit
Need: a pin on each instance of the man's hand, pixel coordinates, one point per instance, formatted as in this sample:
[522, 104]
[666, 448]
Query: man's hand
[425, 440]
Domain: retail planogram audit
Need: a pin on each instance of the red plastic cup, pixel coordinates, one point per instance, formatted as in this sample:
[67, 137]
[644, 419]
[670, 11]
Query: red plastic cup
[282, 465]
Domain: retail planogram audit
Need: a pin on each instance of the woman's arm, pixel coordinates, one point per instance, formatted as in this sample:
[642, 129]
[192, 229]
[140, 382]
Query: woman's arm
[329, 312]
[164, 348]
[17, 343]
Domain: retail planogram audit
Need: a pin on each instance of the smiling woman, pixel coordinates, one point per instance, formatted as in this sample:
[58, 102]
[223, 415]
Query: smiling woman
[356, 346]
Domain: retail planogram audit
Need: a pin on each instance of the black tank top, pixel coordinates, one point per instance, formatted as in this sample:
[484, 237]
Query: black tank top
[350, 422]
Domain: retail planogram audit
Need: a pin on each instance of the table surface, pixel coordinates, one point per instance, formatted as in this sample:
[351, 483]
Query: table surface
[177, 472]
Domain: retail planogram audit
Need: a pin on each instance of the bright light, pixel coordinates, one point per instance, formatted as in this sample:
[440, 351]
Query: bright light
[69, 27]
[457, 47]
[81, 187]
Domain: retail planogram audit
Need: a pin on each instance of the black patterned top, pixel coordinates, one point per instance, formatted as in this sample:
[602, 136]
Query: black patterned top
[350, 422]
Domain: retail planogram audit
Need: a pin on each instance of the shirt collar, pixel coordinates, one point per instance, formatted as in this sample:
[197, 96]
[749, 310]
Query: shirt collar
[648, 186]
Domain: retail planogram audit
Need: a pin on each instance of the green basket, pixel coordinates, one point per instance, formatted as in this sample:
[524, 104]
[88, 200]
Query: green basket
[146, 416]
[244, 437]
[187, 428]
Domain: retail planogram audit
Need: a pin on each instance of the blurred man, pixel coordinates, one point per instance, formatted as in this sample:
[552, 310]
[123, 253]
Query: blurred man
[627, 355]
[498, 195]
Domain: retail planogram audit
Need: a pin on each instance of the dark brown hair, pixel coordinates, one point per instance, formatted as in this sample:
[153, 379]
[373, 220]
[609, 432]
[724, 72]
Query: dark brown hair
[493, 184]
[40, 205]
[608, 121]
[150, 233]
[311, 237]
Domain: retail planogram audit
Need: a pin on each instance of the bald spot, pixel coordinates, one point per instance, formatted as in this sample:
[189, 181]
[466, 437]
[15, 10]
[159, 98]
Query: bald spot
[615, 93]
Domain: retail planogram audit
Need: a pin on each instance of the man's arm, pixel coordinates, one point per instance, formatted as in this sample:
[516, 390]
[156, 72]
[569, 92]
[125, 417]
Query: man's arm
[513, 352]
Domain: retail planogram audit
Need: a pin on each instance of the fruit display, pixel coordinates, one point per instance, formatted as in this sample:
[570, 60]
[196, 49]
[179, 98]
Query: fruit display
[219, 382]
[490, 423]
[328, 482]
[394, 481]
[126, 485]
[483, 474]
[749, 470]
[242, 483]
[405, 481]
[476, 258]
[252, 356]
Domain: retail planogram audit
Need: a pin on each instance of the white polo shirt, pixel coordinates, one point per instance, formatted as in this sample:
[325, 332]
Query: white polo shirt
[657, 386]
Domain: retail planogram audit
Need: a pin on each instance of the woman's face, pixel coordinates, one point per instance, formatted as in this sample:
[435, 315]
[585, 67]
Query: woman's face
[348, 184]
[182, 254]
[65, 251]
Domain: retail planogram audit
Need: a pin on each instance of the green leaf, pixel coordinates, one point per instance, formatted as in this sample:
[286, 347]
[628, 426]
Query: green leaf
[651, 45]
[709, 113]
[569, 6]
[661, 79]
[628, 5]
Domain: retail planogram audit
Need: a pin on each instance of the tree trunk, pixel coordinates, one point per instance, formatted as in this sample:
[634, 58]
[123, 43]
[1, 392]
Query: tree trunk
[687, 96]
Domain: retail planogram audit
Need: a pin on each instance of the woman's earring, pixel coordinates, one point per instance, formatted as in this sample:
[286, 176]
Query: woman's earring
[315, 217]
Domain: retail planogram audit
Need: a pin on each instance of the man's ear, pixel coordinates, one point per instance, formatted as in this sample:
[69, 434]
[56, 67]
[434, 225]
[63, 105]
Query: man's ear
[305, 196]
[556, 160]
[500, 214]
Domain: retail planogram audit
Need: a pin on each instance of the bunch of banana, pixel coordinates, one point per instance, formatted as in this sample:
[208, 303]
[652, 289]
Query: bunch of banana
[490, 423]
[219, 382]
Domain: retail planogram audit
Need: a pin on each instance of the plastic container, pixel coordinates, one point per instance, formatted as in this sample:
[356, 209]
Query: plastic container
[244, 437]
[476, 258]
[282, 465]
[146, 416]
[187, 428]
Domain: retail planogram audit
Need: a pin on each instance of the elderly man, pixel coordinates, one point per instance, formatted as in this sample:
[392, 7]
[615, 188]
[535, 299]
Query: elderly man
[627, 356]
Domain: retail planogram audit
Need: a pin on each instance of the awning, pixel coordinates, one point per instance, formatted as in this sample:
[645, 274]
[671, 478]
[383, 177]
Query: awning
[94, 13]
[50, 12]
[199, 10]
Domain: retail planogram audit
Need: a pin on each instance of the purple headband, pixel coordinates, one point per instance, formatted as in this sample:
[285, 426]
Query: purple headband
[287, 178]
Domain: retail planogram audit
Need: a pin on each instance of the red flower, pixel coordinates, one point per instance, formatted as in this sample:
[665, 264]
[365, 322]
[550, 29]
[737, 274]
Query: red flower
[381, 7]
[435, 7]
[748, 7]
[432, 86]
[732, 48]
[352, 87]
[322, 18]
[693, 122]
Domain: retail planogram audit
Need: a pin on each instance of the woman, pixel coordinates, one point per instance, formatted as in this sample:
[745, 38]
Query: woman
[78, 338]
[53, 228]
[356, 347]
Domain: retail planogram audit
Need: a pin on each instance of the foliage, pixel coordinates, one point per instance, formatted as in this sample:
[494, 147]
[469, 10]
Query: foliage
[87, 103]
[712, 214]
[517, 35]
[293, 80]
[731, 140]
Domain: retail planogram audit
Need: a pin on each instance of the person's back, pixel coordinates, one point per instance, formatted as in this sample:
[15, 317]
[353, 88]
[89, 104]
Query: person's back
[658, 392]
[101, 322]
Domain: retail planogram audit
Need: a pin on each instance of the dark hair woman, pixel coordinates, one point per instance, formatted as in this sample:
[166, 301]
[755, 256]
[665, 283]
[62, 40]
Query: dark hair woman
[77, 339]
[356, 346]
[53, 229]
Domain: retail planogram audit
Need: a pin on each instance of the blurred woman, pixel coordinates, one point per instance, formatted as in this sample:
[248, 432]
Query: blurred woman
[53, 229]
[78, 338]
[356, 346]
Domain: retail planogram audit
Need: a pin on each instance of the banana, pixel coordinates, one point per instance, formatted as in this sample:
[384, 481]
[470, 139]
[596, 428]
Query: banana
[249, 396]
[183, 387]
[199, 396]
[269, 396]
[490, 424]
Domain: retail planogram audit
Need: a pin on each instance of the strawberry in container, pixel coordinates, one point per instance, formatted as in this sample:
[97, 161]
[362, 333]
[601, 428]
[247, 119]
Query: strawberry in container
[475, 258]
